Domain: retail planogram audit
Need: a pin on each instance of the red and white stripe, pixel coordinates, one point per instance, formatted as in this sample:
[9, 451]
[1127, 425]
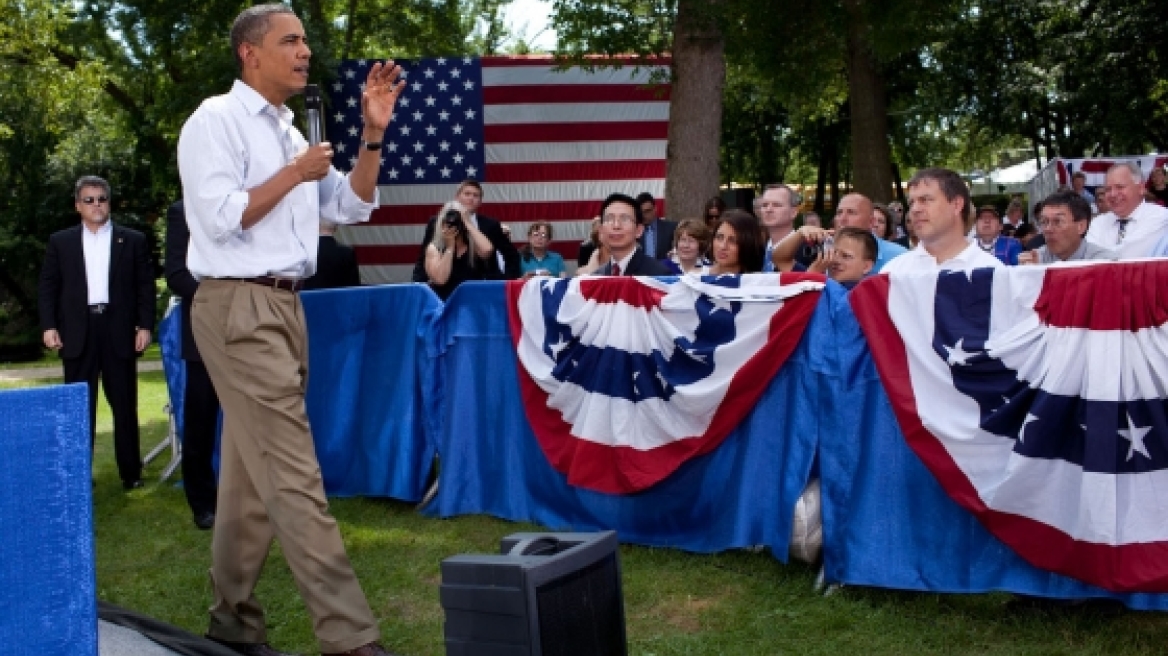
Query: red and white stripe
[557, 143]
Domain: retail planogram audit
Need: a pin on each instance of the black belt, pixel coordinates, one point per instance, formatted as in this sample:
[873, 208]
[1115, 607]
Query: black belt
[289, 284]
[98, 308]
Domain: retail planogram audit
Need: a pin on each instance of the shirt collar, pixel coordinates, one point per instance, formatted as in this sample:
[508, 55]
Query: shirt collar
[1135, 213]
[624, 262]
[105, 229]
[254, 103]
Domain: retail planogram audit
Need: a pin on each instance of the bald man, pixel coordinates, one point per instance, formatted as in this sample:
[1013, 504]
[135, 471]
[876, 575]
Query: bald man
[855, 211]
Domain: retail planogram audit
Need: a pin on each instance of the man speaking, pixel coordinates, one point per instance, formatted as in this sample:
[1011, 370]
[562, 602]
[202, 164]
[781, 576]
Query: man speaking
[254, 192]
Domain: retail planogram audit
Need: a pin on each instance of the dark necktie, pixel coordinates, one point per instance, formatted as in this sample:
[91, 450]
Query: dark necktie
[1122, 231]
[616, 268]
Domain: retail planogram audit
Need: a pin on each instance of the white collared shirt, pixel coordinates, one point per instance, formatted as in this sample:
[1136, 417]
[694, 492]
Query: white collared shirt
[96, 247]
[234, 143]
[624, 262]
[1146, 225]
[919, 259]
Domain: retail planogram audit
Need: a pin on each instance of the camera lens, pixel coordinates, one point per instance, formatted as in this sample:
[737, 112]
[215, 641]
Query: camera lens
[810, 251]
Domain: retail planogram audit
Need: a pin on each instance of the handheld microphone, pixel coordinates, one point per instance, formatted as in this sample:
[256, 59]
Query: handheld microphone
[312, 109]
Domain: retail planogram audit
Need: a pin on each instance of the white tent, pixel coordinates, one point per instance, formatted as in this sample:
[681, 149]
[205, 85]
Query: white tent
[1013, 178]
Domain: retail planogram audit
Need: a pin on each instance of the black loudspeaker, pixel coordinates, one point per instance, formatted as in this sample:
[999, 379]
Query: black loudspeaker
[548, 594]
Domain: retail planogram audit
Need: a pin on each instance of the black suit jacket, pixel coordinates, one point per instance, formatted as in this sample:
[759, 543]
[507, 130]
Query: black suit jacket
[639, 265]
[178, 277]
[494, 233]
[63, 294]
[665, 230]
[336, 266]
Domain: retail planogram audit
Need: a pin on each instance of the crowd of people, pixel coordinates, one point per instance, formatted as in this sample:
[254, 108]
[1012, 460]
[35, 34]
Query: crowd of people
[1123, 218]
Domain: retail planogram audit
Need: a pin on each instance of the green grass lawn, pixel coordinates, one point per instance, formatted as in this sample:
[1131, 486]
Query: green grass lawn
[151, 558]
[50, 359]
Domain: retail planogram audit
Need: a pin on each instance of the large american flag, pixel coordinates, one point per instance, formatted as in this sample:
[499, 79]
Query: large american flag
[546, 144]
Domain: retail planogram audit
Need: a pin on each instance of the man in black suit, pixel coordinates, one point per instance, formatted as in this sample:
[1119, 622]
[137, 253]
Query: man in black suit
[96, 302]
[657, 238]
[470, 195]
[200, 403]
[336, 264]
[620, 228]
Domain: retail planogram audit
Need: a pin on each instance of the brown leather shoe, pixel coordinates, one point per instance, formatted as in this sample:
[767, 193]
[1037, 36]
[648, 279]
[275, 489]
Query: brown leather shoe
[371, 649]
[250, 648]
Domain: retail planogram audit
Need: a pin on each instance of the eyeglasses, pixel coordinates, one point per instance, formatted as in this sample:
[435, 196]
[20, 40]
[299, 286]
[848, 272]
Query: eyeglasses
[1045, 224]
[539, 233]
[626, 219]
[89, 200]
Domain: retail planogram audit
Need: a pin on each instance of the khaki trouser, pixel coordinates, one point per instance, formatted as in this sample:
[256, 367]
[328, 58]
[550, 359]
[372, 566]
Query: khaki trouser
[252, 339]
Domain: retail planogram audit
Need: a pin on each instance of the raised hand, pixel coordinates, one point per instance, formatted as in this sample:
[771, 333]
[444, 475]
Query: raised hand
[382, 88]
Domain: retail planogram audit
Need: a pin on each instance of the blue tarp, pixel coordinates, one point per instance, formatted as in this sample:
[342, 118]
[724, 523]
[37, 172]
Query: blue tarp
[47, 581]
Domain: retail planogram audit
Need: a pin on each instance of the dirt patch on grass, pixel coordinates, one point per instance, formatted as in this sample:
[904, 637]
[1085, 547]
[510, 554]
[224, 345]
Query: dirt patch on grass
[683, 613]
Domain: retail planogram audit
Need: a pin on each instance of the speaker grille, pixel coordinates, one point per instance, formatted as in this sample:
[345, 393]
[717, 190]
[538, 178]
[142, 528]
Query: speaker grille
[581, 613]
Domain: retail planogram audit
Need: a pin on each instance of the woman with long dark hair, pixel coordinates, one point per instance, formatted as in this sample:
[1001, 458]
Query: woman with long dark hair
[713, 210]
[738, 244]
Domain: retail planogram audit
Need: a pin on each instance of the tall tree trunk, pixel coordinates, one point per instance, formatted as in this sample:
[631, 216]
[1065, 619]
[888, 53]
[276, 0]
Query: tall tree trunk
[695, 110]
[871, 155]
[821, 177]
[833, 175]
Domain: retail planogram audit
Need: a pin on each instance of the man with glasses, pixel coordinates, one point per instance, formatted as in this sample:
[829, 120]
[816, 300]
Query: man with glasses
[621, 225]
[96, 299]
[1133, 226]
[1063, 218]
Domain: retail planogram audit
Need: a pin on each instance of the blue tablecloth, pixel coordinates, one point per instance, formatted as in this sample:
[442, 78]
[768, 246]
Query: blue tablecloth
[48, 588]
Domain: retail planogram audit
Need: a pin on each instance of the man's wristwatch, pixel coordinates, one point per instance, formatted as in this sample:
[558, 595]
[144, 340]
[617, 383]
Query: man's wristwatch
[371, 145]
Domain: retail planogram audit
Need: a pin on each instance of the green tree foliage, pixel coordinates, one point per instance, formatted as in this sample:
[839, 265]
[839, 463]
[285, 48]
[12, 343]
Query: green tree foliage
[103, 87]
[1073, 78]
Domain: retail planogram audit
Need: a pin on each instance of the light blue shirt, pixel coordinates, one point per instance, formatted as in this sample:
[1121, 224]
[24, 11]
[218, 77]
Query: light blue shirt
[885, 251]
[1161, 248]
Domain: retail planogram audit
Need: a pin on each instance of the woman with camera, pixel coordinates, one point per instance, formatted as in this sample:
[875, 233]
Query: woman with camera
[458, 252]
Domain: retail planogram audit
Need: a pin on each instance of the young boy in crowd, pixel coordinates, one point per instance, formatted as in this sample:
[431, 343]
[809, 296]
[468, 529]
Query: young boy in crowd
[846, 259]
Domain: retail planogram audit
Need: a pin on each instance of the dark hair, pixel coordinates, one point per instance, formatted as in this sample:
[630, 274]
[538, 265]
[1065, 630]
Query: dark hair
[645, 197]
[868, 246]
[889, 222]
[990, 209]
[252, 24]
[1079, 175]
[1024, 231]
[951, 185]
[90, 181]
[748, 232]
[627, 200]
[1079, 207]
[714, 202]
[470, 182]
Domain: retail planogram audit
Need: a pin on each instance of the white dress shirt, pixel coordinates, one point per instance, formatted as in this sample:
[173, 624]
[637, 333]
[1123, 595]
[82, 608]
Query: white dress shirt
[234, 143]
[919, 259]
[1146, 225]
[96, 247]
